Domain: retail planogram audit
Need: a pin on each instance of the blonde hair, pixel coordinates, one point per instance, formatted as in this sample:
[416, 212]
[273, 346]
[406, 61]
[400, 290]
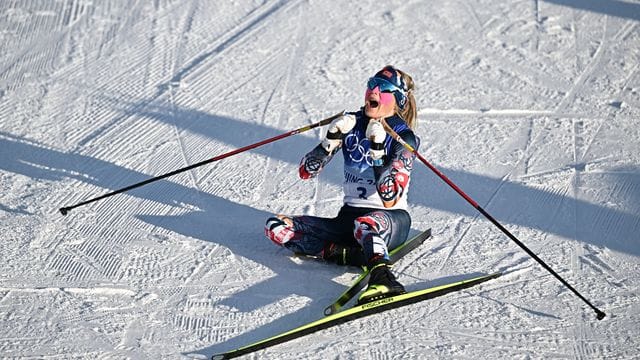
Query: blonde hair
[410, 111]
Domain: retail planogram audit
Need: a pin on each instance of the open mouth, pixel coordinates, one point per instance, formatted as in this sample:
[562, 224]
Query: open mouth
[373, 104]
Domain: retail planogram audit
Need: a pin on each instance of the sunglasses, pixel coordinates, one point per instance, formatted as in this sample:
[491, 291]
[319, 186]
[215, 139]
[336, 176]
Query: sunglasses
[383, 85]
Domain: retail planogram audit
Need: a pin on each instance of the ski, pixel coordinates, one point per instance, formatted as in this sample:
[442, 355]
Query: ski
[362, 280]
[357, 312]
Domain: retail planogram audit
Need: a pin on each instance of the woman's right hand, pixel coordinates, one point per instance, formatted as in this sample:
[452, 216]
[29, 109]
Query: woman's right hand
[343, 124]
[337, 129]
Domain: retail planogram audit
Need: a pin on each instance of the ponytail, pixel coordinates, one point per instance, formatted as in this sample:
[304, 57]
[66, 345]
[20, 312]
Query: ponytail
[410, 111]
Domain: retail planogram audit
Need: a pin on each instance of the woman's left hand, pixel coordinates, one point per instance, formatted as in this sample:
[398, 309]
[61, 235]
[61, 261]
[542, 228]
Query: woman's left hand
[376, 134]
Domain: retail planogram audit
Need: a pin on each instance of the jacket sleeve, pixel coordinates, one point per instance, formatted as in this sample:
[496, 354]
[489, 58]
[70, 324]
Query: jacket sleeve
[314, 161]
[392, 178]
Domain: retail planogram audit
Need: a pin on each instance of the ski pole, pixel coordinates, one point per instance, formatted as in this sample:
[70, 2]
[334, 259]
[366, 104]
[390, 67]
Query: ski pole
[599, 314]
[65, 210]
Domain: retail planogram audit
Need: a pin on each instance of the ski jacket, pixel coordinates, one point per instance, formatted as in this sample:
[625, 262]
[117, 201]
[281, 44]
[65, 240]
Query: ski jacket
[366, 185]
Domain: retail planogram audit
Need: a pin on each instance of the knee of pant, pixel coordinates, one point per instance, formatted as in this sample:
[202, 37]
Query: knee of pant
[374, 224]
[279, 229]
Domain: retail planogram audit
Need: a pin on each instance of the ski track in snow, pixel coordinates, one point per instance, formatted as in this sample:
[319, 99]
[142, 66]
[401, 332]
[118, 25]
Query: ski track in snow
[530, 107]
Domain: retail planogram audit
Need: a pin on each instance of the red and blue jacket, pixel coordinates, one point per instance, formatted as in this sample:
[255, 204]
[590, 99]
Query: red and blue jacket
[367, 185]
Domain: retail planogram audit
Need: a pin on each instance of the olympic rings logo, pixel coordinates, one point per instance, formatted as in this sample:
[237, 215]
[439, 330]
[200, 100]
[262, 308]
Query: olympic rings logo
[358, 149]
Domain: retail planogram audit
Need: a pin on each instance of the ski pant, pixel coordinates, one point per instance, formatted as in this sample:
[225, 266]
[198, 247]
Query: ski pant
[376, 230]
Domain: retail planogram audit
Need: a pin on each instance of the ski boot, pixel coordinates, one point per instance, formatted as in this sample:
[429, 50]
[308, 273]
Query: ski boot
[344, 255]
[382, 284]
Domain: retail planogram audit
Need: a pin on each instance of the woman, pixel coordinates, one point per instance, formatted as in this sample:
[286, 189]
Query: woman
[373, 218]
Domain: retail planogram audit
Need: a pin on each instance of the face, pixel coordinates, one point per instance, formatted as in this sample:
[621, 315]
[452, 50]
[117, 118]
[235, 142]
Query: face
[379, 104]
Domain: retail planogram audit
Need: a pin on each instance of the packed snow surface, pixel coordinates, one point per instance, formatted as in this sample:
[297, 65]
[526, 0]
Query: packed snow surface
[531, 107]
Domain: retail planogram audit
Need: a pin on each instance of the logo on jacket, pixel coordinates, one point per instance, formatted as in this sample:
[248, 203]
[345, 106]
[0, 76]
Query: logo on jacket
[357, 149]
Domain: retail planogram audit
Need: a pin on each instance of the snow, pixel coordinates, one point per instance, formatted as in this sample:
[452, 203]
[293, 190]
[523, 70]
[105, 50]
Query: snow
[531, 107]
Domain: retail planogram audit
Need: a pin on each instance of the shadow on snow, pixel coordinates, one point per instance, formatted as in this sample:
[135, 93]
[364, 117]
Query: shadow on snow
[616, 8]
[216, 221]
[546, 210]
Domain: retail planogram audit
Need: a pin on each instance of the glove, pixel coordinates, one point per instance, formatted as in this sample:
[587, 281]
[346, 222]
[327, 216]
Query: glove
[337, 129]
[376, 134]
